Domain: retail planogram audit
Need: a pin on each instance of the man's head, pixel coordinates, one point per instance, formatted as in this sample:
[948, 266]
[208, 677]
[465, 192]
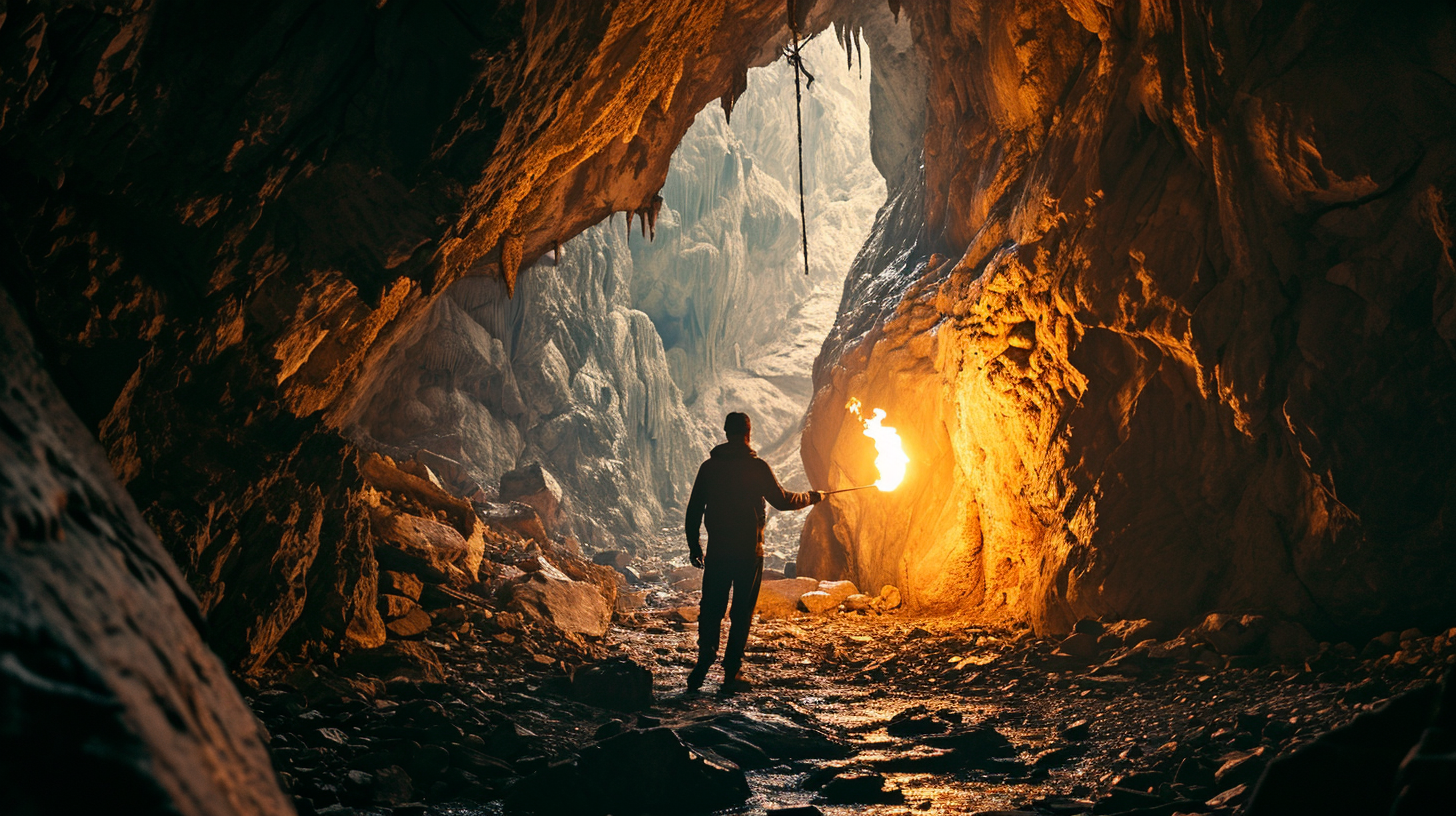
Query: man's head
[737, 426]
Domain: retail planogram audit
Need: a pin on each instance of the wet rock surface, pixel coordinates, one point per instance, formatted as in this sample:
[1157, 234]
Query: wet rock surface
[849, 712]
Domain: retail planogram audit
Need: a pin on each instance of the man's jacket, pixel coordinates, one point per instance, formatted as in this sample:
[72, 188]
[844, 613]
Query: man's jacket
[730, 490]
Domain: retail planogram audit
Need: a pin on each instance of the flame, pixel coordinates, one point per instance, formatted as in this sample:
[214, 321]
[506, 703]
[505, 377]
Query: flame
[890, 456]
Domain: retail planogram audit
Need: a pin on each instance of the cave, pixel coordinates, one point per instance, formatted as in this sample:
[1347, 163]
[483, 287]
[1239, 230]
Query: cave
[359, 358]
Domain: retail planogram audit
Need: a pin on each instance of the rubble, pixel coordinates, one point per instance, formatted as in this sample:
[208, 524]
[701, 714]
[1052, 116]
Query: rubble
[515, 690]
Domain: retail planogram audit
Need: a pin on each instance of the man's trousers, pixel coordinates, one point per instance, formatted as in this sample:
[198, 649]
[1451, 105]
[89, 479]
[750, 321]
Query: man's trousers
[743, 575]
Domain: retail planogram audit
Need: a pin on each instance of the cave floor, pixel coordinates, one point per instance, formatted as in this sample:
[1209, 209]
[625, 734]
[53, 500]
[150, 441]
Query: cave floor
[852, 675]
[1121, 735]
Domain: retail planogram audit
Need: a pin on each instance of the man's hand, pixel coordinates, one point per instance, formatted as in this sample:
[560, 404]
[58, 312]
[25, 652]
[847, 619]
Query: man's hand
[695, 556]
[816, 496]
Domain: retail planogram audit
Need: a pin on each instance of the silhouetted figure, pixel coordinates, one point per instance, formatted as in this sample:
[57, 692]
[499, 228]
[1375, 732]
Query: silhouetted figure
[730, 489]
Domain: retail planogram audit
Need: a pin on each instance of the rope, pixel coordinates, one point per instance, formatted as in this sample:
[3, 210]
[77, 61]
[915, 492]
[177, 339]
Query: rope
[797, 60]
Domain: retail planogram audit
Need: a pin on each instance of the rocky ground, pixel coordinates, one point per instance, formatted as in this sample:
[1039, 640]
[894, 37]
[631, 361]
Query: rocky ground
[493, 707]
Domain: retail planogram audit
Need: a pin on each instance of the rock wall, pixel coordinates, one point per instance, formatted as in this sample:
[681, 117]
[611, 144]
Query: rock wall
[1176, 330]
[109, 697]
[566, 374]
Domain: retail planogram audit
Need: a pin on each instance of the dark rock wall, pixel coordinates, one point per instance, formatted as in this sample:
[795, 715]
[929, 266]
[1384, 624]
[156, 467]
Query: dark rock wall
[1177, 333]
[110, 700]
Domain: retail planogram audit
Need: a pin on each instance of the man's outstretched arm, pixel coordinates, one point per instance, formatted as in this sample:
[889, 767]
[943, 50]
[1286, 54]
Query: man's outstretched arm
[697, 503]
[783, 499]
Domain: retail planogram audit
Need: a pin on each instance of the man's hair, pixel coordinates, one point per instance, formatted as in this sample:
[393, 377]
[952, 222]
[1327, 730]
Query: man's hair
[737, 424]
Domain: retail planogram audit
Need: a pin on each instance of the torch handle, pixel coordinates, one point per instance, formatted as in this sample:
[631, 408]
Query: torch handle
[847, 489]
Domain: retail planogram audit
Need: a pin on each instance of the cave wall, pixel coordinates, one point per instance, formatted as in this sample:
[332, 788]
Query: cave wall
[565, 373]
[1174, 330]
[110, 699]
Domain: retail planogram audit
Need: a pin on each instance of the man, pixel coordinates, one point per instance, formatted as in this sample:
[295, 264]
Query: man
[731, 488]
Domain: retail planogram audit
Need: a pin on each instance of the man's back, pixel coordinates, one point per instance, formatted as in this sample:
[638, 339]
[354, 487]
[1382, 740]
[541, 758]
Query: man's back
[730, 490]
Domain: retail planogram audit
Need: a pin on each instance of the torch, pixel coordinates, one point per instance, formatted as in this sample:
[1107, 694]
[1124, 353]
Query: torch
[890, 458]
[847, 489]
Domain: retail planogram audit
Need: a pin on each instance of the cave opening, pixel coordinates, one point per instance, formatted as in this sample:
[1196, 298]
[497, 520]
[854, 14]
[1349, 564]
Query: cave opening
[334, 398]
[564, 373]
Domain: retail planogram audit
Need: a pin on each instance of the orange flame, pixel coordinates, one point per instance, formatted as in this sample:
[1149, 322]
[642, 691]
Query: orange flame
[890, 458]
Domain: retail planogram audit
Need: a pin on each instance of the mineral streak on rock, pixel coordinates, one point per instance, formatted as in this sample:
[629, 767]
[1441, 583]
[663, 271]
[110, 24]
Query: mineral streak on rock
[1169, 325]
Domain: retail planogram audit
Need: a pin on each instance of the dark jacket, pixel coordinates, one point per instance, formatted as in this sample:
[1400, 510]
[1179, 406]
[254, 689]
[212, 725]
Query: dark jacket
[731, 488]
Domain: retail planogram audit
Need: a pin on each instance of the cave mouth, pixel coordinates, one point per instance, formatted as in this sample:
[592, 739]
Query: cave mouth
[612, 364]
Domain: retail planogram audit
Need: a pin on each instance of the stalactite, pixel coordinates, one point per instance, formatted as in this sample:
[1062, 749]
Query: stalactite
[735, 90]
[512, 250]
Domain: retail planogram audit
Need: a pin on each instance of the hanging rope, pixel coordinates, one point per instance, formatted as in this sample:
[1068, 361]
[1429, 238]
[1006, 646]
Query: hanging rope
[796, 59]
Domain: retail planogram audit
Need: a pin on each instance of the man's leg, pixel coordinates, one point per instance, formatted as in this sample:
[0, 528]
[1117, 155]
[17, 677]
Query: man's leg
[746, 579]
[716, 581]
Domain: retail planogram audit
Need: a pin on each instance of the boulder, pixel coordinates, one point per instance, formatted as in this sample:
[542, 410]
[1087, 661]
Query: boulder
[384, 474]
[412, 624]
[450, 471]
[776, 737]
[890, 596]
[515, 517]
[635, 772]
[400, 583]
[685, 579]
[617, 559]
[1080, 645]
[392, 786]
[1089, 626]
[414, 467]
[858, 603]
[780, 599]
[861, 788]
[548, 595]
[631, 601]
[1131, 633]
[620, 684]
[817, 602]
[398, 660]
[395, 606]
[838, 590]
[533, 485]
[425, 547]
[1232, 634]
[1289, 643]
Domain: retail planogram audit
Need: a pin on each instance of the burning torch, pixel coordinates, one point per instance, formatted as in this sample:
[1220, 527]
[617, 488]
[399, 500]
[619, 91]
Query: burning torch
[890, 458]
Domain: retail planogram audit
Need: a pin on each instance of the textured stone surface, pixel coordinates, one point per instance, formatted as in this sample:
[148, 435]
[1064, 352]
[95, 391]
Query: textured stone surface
[1168, 328]
[780, 599]
[104, 675]
[572, 606]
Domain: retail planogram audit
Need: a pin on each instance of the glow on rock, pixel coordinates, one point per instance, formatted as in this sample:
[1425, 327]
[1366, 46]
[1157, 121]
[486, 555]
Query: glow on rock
[890, 458]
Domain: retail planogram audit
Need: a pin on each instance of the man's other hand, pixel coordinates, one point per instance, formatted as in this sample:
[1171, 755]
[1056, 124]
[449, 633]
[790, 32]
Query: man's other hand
[816, 496]
[695, 557]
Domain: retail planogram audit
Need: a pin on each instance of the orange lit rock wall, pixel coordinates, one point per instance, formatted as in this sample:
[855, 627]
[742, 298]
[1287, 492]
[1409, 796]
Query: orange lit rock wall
[1169, 327]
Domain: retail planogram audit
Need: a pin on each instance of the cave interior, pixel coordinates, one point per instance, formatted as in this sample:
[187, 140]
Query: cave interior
[359, 359]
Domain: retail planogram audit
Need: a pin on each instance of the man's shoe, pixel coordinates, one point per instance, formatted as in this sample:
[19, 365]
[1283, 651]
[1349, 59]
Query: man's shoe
[696, 678]
[736, 681]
